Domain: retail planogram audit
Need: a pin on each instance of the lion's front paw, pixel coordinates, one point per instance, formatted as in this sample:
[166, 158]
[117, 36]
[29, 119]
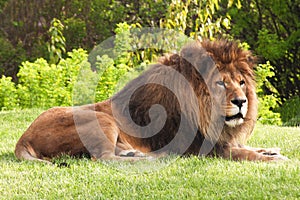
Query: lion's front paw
[274, 157]
[131, 153]
[269, 151]
[272, 154]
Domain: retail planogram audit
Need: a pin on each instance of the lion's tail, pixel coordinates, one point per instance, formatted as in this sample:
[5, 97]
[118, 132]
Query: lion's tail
[26, 152]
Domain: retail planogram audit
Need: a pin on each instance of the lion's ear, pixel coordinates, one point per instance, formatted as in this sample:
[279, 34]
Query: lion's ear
[206, 66]
[196, 56]
[251, 60]
[192, 51]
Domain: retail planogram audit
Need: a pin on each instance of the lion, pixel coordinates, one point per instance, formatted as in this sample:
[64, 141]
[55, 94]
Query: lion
[201, 102]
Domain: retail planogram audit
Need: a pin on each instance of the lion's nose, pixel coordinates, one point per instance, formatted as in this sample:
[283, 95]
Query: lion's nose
[238, 102]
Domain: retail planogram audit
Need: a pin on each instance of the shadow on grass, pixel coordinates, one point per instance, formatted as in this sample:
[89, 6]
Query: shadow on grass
[63, 161]
[8, 156]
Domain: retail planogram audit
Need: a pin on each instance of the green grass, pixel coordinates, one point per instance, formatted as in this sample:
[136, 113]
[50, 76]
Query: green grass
[168, 178]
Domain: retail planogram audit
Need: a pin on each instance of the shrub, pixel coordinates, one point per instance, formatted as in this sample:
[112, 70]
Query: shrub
[267, 103]
[35, 81]
[10, 57]
[266, 113]
[115, 72]
[290, 112]
[71, 81]
[109, 75]
[43, 85]
[8, 93]
[57, 44]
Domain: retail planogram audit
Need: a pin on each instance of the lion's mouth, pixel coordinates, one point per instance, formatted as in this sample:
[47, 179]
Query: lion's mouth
[237, 116]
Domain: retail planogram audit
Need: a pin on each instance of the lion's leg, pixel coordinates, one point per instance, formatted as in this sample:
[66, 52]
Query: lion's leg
[103, 144]
[242, 153]
[266, 151]
[26, 152]
[126, 154]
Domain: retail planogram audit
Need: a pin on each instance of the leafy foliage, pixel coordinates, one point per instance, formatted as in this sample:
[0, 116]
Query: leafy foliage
[267, 103]
[74, 27]
[41, 84]
[115, 72]
[271, 28]
[30, 30]
[56, 46]
[196, 18]
[290, 112]
[10, 57]
[8, 97]
[109, 78]
[71, 81]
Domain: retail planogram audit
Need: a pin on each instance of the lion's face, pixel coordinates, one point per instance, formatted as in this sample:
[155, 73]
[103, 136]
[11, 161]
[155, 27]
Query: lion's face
[228, 89]
[229, 71]
[234, 85]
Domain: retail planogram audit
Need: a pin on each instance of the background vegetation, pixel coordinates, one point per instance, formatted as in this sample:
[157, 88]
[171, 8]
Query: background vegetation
[42, 46]
[45, 48]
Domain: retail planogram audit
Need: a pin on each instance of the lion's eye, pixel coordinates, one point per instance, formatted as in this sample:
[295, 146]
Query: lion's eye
[221, 83]
[242, 83]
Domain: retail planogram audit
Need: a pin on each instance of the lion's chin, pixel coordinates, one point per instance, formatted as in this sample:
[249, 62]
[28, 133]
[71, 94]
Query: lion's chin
[234, 120]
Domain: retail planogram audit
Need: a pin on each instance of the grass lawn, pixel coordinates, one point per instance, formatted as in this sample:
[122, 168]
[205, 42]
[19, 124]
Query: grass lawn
[167, 178]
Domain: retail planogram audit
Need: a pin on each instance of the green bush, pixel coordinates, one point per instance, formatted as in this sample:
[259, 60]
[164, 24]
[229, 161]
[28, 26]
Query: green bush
[290, 112]
[8, 97]
[74, 27]
[10, 56]
[57, 44]
[71, 81]
[115, 72]
[266, 113]
[109, 74]
[34, 84]
[267, 103]
[43, 85]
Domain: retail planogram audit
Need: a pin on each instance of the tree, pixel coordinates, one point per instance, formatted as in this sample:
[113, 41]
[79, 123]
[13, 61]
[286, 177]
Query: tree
[271, 28]
[24, 25]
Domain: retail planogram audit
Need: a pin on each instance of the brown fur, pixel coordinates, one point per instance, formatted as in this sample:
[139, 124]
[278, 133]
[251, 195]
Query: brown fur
[191, 121]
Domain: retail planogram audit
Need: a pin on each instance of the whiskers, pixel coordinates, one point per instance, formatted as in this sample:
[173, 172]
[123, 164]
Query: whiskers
[230, 110]
[248, 119]
[228, 107]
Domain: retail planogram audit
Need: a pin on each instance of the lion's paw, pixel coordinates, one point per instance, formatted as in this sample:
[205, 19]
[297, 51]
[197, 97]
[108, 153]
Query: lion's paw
[269, 151]
[275, 157]
[131, 153]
